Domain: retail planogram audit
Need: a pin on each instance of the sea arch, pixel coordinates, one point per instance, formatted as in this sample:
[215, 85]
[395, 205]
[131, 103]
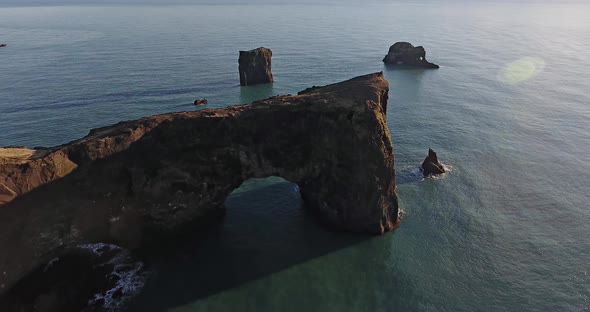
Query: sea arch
[161, 173]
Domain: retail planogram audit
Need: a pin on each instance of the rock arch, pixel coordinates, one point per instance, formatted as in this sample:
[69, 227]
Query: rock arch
[161, 173]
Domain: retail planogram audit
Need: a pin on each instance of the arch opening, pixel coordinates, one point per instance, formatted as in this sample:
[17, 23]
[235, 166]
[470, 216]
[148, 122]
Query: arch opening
[266, 230]
[273, 201]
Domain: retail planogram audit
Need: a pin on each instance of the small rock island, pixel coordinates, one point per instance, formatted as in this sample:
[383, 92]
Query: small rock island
[136, 180]
[404, 54]
[431, 166]
[255, 66]
[200, 102]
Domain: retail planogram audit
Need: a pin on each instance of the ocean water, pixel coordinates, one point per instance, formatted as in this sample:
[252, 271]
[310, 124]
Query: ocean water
[508, 111]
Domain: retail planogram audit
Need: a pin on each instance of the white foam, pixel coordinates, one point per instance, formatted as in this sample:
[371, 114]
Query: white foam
[130, 274]
[99, 248]
[131, 280]
[401, 213]
[448, 169]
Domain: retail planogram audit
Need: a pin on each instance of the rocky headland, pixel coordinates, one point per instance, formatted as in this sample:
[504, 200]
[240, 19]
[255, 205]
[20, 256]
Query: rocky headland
[255, 66]
[405, 55]
[128, 183]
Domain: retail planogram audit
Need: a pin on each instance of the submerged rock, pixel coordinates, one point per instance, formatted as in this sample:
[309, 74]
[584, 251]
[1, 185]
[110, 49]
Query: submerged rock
[136, 181]
[431, 166]
[404, 54]
[255, 67]
[201, 102]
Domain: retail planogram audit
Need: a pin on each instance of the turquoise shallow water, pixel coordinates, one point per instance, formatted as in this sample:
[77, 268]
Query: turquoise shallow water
[506, 230]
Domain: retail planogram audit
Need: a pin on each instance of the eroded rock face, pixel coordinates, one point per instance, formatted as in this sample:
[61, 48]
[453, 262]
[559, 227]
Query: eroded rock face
[138, 179]
[430, 165]
[255, 67]
[23, 169]
[404, 54]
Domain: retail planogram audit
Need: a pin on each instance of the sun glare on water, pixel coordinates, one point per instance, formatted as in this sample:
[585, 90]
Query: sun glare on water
[521, 70]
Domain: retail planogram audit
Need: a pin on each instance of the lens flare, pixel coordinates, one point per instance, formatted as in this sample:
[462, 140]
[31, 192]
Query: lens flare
[521, 70]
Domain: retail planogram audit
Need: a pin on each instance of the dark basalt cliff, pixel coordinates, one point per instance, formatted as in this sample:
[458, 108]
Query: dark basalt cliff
[255, 66]
[404, 54]
[125, 183]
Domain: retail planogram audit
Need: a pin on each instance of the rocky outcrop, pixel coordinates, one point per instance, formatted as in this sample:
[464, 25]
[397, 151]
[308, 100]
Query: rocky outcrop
[255, 67]
[82, 278]
[404, 54]
[136, 180]
[431, 166]
[200, 102]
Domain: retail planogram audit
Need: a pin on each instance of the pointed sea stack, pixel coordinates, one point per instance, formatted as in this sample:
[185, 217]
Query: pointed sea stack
[255, 67]
[431, 166]
[404, 54]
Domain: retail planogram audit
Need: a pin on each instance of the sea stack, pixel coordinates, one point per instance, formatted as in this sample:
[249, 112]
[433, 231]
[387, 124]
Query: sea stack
[255, 67]
[404, 54]
[431, 166]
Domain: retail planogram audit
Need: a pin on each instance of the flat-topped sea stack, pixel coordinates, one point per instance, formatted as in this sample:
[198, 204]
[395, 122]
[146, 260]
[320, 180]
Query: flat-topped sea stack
[431, 165]
[127, 183]
[405, 55]
[255, 67]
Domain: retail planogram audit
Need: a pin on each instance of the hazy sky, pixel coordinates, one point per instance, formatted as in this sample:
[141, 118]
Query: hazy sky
[98, 2]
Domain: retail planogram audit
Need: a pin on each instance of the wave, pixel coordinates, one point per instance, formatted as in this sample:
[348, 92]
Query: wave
[414, 174]
[448, 169]
[128, 274]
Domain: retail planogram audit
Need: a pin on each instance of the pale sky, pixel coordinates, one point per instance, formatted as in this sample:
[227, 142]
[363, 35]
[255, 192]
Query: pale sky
[163, 2]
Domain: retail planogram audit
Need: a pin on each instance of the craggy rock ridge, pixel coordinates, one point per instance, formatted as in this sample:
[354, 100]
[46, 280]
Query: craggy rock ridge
[404, 54]
[136, 180]
[430, 165]
[255, 67]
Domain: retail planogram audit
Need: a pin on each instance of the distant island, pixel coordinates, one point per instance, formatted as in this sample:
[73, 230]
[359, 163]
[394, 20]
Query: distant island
[404, 54]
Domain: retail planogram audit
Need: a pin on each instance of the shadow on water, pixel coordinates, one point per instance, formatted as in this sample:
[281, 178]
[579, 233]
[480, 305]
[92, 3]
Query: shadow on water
[265, 231]
[391, 67]
[413, 174]
[258, 92]
[405, 77]
[408, 175]
[408, 80]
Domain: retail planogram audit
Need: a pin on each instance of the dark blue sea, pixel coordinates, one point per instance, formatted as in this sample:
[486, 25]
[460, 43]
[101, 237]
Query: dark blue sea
[507, 229]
